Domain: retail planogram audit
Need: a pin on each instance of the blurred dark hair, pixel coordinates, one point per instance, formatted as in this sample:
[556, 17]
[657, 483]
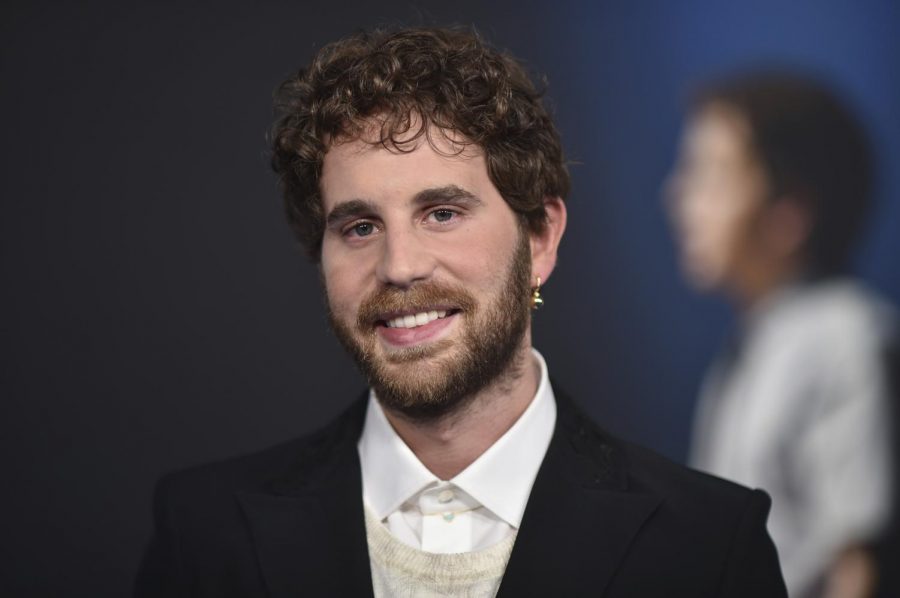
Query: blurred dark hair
[812, 148]
[411, 82]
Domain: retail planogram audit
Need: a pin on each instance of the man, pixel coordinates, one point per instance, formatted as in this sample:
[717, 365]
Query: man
[768, 197]
[423, 174]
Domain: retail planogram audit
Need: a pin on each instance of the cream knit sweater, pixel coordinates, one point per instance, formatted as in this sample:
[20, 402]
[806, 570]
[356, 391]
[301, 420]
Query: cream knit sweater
[401, 571]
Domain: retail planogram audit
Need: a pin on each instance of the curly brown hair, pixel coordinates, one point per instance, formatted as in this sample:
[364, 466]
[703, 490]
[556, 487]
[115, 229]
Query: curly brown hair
[415, 81]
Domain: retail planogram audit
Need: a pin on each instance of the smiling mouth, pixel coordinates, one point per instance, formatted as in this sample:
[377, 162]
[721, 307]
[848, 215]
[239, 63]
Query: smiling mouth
[416, 319]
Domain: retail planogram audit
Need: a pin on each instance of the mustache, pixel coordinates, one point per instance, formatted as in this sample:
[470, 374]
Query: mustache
[389, 301]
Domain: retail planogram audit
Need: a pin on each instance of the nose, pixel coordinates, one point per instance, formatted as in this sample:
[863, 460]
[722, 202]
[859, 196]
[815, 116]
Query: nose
[404, 259]
[677, 197]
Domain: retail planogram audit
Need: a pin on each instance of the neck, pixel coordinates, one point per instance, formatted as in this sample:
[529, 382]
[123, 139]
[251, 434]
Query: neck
[448, 445]
[759, 282]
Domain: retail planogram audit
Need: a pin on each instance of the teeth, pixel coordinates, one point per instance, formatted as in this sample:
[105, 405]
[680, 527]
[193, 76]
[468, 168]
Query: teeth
[419, 319]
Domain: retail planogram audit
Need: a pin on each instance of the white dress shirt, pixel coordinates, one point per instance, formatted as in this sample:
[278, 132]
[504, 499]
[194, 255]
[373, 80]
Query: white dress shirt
[477, 508]
[801, 411]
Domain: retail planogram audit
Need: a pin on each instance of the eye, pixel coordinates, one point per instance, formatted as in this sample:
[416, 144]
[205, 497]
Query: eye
[442, 215]
[360, 229]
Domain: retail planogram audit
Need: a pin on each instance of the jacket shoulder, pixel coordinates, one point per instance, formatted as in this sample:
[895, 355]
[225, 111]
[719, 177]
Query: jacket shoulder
[705, 536]
[201, 543]
[292, 462]
[689, 490]
[705, 523]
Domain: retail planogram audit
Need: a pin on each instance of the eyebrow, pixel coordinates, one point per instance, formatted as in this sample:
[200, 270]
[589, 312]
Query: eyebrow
[346, 210]
[357, 208]
[447, 193]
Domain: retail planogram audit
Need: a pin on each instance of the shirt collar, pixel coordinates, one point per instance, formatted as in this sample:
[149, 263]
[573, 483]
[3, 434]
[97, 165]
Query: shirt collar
[500, 479]
[391, 472]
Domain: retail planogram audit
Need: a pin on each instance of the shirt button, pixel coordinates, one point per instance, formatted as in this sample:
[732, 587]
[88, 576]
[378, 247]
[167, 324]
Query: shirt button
[445, 496]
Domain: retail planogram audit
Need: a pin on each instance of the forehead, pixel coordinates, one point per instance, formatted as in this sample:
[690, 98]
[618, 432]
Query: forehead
[361, 169]
[718, 131]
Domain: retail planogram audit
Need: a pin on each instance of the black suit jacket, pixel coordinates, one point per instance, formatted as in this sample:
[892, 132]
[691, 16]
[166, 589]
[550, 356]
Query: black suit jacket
[604, 518]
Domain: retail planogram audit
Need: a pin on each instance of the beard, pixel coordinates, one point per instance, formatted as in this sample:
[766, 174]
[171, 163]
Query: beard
[433, 380]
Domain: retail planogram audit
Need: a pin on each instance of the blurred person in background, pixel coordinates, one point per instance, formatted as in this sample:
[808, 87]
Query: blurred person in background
[768, 196]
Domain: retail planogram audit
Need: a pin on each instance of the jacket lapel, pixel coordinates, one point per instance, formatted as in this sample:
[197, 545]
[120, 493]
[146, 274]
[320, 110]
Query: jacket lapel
[581, 516]
[308, 525]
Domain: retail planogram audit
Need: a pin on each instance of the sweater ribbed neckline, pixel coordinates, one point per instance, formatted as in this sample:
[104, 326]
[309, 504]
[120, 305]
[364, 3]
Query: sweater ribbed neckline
[436, 568]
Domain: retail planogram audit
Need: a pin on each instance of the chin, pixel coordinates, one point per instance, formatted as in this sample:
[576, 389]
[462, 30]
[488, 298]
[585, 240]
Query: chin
[701, 279]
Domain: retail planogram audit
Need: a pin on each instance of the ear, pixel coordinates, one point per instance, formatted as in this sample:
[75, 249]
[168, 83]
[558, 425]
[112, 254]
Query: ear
[787, 227]
[545, 244]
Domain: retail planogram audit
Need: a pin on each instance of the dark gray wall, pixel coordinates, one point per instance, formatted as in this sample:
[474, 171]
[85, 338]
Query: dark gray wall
[156, 312]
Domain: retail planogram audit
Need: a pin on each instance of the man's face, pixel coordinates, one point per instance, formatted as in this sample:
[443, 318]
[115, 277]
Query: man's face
[717, 197]
[426, 270]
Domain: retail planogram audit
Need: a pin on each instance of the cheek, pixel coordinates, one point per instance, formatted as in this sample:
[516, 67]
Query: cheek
[722, 221]
[717, 213]
[341, 288]
[481, 257]
[738, 214]
[701, 217]
[343, 275]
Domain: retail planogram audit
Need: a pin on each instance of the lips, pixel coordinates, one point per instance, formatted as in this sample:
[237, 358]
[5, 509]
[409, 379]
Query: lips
[417, 319]
[403, 330]
[422, 313]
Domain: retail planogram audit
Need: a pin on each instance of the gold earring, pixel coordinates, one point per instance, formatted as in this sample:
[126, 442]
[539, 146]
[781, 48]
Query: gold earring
[537, 301]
